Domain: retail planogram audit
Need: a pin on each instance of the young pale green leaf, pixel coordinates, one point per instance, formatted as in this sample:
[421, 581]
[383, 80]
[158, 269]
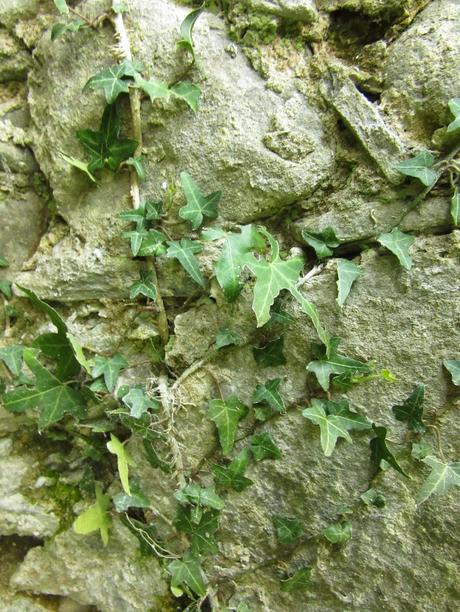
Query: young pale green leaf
[411, 410]
[270, 355]
[420, 450]
[226, 337]
[263, 447]
[188, 92]
[12, 358]
[144, 286]
[455, 205]
[61, 6]
[347, 273]
[268, 393]
[380, 450]
[110, 368]
[202, 540]
[454, 368]
[187, 572]
[198, 205]
[184, 252]
[288, 530]
[112, 80]
[300, 580]
[420, 167]
[310, 310]
[199, 496]
[138, 164]
[186, 31]
[138, 402]
[443, 477]
[372, 498]
[336, 364]
[78, 352]
[338, 533]
[454, 105]
[232, 476]
[78, 164]
[226, 414]
[52, 398]
[334, 420]
[399, 244]
[3, 262]
[95, 518]
[322, 242]
[123, 461]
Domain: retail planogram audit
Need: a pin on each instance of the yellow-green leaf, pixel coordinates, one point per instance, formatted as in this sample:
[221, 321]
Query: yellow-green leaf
[123, 461]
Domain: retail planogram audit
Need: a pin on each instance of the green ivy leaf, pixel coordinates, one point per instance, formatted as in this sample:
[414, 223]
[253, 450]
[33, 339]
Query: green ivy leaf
[420, 450]
[61, 6]
[443, 477]
[147, 211]
[3, 262]
[112, 80]
[335, 364]
[123, 461]
[232, 476]
[270, 355]
[184, 252]
[151, 244]
[347, 273]
[138, 164]
[322, 242]
[152, 456]
[399, 244]
[372, 498]
[300, 580]
[12, 358]
[420, 167]
[186, 31]
[268, 393]
[153, 88]
[6, 288]
[263, 447]
[59, 29]
[226, 414]
[334, 420]
[78, 352]
[199, 496]
[380, 450]
[288, 530]
[144, 287]
[119, 7]
[455, 204]
[189, 93]
[454, 105]
[52, 398]
[79, 164]
[95, 518]
[454, 368]
[411, 410]
[202, 540]
[138, 402]
[137, 499]
[198, 205]
[338, 533]
[110, 368]
[186, 572]
[226, 337]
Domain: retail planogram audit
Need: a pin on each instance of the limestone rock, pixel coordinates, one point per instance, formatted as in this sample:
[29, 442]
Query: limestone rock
[15, 61]
[295, 10]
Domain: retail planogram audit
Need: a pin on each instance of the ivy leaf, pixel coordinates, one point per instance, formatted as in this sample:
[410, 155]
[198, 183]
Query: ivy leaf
[420, 167]
[151, 243]
[271, 278]
[59, 29]
[300, 580]
[186, 30]
[144, 286]
[454, 368]
[6, 288]
[57, 347]
[199, 496]
[288, 530]
[380, 450]
[138, 403]
[189, 93]
[226, 414]
[347, 273]
[454, 105]
[263, 447]
[399, 244]
[455, 203]
[184, 252]
[268, 393]
[411, 410]
[232, 476]
[187, 572]
[229, 266]
[95, 518]
[443, 477]
[335, 364]
[201, 535]
[198, 205]
[154, 88]
[53, 315]
[152, 456]
[226, 337]
[372, 498]
[78, 352]
[3, 262]
[61, 6]
[137, 499]
[119, 7]
[12, 358]
[147, 211]
[78, 164]
[322, 242]
[420, 450]
[334, 420]
[270, 355]
[52, 398]
[138, 164]
[338, 533]
[123, 461]
[110, 368]
[111, 80]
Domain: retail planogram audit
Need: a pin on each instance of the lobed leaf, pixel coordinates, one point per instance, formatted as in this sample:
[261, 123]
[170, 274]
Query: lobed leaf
[226, 414]
[268, 393]
[347, 273]
[411, 410]
[454, 368]
[443, 476]
[198, 205]
[399, 244]
[263, 447]
[420, 167]
[184, 251]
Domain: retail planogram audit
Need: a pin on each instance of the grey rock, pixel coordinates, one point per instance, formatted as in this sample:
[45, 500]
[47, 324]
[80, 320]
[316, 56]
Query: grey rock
[14, 60]
[13, 10]
[16, 159]
[295, 10]
[110, 578]
[368, 7]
